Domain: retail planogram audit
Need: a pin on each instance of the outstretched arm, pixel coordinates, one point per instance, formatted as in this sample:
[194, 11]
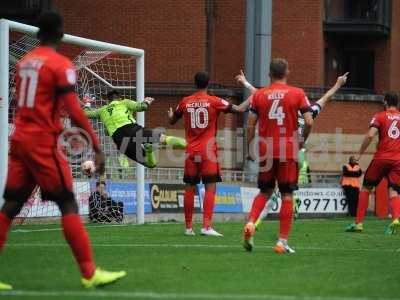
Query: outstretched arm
[87, 104]
[244, 105]
[341, 80]
[367, 141]
[233, 109]
[138, 106]
[92, 113]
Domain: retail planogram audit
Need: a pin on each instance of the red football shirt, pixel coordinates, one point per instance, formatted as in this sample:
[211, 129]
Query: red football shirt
[388, 124]
[200, 112]
[277, 107]
[45, 84]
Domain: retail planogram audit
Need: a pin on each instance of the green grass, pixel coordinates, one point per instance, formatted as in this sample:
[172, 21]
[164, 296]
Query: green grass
[163, 264]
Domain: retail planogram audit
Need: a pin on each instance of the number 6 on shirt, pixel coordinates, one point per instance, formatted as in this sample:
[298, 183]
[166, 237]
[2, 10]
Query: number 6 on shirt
[394, 131]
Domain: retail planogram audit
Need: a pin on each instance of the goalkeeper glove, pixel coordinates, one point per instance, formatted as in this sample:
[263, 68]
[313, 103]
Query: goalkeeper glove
[148, 100]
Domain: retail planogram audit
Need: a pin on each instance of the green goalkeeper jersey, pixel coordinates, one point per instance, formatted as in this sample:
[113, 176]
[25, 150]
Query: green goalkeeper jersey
[117, 113]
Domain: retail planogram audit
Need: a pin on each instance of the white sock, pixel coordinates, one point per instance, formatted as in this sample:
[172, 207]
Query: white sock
[267, 209]
[283, 241]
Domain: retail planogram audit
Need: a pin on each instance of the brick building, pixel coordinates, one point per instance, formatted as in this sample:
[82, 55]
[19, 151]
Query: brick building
[320, 38]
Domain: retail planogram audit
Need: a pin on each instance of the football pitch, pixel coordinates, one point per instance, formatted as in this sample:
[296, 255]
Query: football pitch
[163, 264]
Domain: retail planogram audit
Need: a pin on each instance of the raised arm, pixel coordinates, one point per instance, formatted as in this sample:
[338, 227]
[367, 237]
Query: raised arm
[241, 79]
[341, 80]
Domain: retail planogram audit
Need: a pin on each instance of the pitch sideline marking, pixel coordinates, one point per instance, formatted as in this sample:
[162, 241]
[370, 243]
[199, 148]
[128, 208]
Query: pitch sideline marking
[119, 245]
[59, 228]
[93, 227]
[133, 224]
[154, 295]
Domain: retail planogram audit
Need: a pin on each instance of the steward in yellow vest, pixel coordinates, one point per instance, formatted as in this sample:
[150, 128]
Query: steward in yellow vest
[351, 184]
[351, 175]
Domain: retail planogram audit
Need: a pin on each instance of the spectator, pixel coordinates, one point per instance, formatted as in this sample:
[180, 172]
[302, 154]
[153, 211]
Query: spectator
[351, 184]
[102, 209]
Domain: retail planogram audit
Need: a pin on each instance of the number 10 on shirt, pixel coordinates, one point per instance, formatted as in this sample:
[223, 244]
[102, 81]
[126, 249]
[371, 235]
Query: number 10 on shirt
[198, 117]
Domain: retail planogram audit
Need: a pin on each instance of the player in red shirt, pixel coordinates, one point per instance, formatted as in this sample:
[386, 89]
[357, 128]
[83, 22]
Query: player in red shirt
[276, 109]
[201, 112]
[45, 82]
[386, 162]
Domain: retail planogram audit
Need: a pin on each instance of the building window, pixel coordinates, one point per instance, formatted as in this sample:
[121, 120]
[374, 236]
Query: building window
[361, 9]
[25, 11]
[360, 64]
[367, 17]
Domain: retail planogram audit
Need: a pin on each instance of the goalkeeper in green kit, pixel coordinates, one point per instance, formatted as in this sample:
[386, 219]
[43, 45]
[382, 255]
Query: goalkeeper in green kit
[131, 139]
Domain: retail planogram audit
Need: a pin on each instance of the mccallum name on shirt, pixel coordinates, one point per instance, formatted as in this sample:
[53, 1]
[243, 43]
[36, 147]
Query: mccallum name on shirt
[198, 104]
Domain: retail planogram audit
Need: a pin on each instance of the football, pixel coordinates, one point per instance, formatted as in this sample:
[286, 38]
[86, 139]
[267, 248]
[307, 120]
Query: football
[88, 167]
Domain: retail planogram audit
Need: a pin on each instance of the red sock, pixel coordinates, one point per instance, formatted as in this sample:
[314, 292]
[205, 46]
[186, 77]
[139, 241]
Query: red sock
[258, 205]
[208, 208]
[188, 207]
[362, 207]
[5, 223]
[285, 218]
[395, 203]
[78, 239]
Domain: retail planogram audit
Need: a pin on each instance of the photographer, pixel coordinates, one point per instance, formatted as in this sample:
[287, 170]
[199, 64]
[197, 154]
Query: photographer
[102, 209]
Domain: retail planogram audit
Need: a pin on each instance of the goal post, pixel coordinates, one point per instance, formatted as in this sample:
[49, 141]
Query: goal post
[6, 27]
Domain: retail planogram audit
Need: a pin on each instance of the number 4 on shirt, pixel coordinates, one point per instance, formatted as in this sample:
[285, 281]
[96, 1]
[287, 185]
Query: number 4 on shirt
[276, 112]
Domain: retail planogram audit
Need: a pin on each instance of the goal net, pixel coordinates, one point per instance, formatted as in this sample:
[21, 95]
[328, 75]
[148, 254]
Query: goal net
[101, 67]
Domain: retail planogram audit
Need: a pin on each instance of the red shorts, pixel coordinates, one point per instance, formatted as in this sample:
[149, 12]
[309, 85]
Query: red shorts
[380, 168]
[198, 165]
[33, 165]
[285, 172]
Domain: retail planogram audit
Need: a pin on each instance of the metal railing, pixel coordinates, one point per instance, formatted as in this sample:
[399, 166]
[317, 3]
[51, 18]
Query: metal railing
[367, 11]
[175, 175]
